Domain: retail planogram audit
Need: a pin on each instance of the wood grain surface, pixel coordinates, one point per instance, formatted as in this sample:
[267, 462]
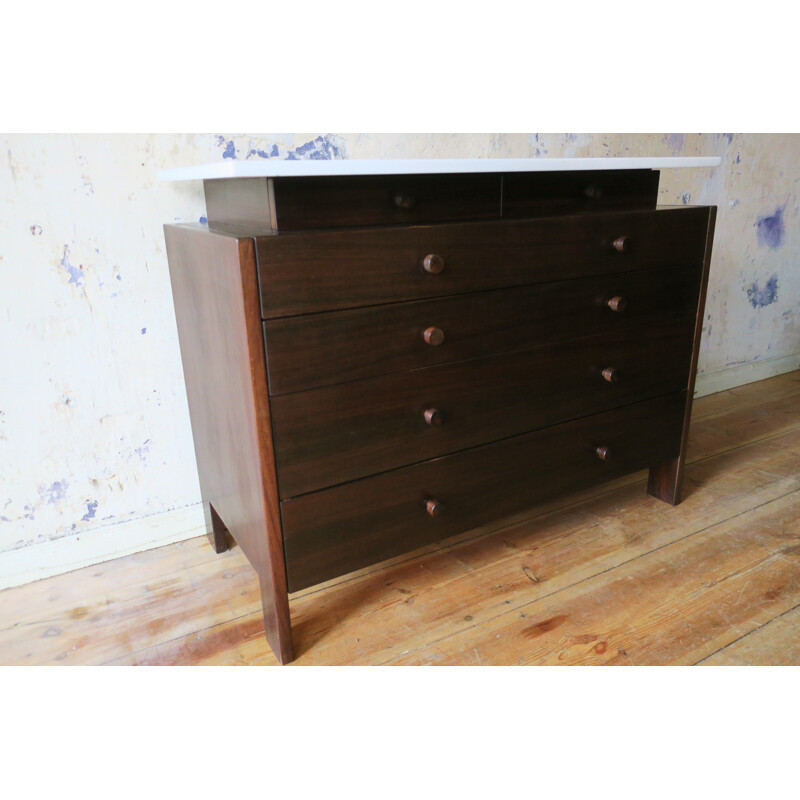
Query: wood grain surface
[325, 202]
[527, 194]
[321, 349]
[339, 433]
[215, 291]
[334, 531]
[350, 268]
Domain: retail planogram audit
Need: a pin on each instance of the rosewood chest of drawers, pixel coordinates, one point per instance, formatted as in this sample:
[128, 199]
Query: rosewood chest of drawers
[377, 361]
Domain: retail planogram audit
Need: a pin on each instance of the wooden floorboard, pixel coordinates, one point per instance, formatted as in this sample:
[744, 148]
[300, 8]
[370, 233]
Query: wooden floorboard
[608, 576]
[775, 643]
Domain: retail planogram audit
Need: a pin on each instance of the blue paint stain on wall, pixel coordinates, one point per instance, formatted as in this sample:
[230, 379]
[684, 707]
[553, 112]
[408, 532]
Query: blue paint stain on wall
[75, 273]
[91, 508]
[144, 331]
[258, 153]
[230, 147]
[763, 296]
[674, 141]
[54, 492]
[143, 451]
[204, 220]
[319, 149]
[771, 231]
[686, 198]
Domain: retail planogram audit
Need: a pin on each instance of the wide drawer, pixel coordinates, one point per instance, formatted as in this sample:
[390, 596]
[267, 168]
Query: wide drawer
[322, 349]
[314, 271]
[339, 433]
[331, 532]
[325, 202]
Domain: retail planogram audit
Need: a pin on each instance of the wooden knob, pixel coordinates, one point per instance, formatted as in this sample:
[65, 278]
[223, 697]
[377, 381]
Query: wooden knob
[433, 336]
[618, 304]
[621, 244]
[433, 416]
[603, 453]
[402, 200]
[434, 507]
[433, 263]
[611, 374]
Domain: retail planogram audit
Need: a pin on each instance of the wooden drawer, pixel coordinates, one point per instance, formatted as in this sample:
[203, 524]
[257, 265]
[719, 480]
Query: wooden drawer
[322, 349]
[527, 194]
[325, 202]
[331, 532]
[339, 433]
[327, 270]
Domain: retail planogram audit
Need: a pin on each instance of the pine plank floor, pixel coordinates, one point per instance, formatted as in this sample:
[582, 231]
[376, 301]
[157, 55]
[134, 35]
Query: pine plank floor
[608, 576]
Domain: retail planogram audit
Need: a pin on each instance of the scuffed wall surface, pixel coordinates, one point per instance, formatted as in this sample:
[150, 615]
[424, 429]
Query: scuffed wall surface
[94, 427]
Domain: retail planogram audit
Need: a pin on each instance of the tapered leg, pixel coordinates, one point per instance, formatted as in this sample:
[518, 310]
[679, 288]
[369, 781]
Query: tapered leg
[666, 478]
[217, 307]
[217, 531]
[664, 481]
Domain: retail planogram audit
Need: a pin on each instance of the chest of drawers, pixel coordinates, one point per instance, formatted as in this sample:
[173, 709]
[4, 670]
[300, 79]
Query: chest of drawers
[374, 362]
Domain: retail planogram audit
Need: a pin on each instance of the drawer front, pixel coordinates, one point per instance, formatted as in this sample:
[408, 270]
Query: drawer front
[528, 194]
[323, 349]
[326, 270]
[325, 202]
[335, 531]
[327, 436]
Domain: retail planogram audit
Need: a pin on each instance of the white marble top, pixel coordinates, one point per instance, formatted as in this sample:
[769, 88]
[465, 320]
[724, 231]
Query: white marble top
[278, 168]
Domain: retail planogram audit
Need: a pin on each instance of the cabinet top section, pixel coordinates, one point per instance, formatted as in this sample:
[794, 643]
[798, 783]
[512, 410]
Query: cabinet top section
[276, 168]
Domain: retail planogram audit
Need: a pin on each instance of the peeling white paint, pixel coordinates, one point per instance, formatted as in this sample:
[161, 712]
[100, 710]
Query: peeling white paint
[94, 427]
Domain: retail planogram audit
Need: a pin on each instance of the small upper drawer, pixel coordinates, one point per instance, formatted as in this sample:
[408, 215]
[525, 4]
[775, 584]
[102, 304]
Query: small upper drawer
[337, 346]
[330, 202]
[528, 194]
[325, 270]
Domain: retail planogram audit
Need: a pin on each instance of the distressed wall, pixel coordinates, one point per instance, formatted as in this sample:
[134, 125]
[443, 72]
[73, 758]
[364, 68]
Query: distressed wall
[96, 456]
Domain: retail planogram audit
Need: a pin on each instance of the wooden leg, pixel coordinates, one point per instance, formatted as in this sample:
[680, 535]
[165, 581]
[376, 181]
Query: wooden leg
[665, 478]
[277, 625]
[664, 481]
[218, 311]
[216, 529]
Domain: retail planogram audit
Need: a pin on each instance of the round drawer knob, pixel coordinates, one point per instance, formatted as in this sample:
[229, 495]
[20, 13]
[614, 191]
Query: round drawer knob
[433, 264]
[611, 374]
[622, 244]
[603, 453]
[433, 507]
[618, 304]
[433, 336]
[593, 192]
[433, 416]
[403, 200]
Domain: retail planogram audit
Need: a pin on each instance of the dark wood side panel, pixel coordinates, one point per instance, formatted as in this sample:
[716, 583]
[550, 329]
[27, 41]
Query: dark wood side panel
[528, 194]
[666, 478]
[328, 270]
[215, 291]
[335, 531]
[322, 349]
[351, 430]
[358, 200]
